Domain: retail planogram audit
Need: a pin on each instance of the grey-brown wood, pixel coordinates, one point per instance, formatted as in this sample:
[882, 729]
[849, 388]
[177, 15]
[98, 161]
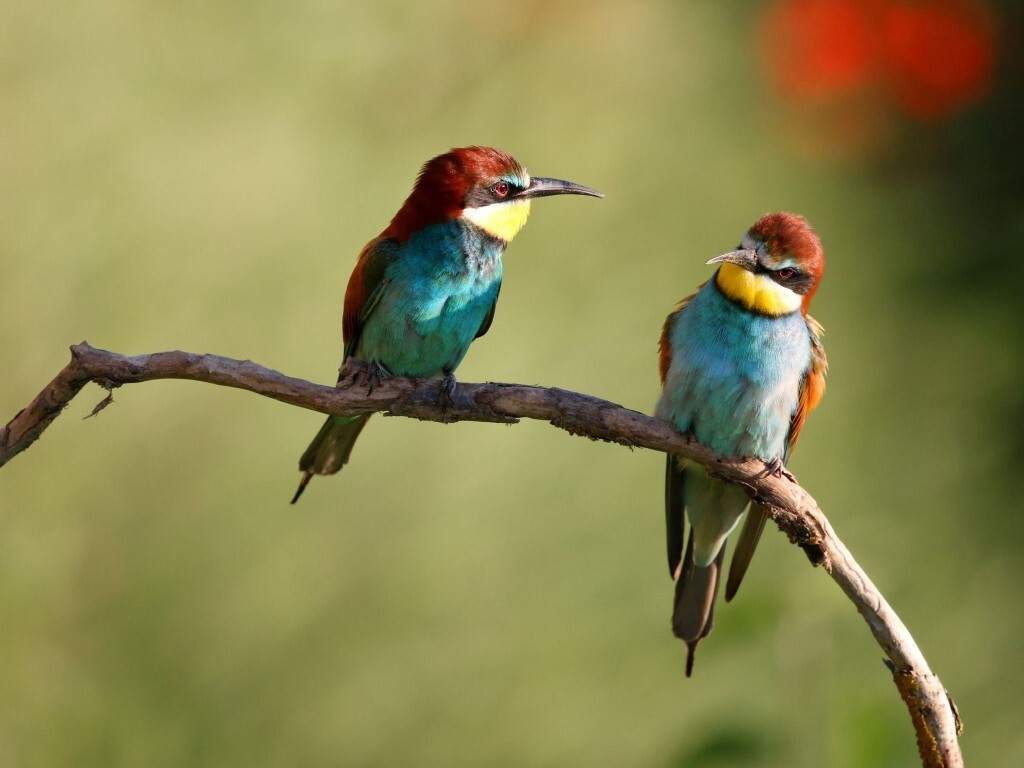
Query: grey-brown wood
[934, 716]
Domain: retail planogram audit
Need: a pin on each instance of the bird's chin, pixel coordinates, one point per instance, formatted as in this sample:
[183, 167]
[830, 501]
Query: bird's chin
[500, 220]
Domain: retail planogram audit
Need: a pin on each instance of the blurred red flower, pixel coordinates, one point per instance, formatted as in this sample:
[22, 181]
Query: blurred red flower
[816, 49]
[939, 55]
[931, 58]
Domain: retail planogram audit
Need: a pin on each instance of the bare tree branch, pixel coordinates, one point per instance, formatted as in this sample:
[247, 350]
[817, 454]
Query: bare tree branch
[794, 511]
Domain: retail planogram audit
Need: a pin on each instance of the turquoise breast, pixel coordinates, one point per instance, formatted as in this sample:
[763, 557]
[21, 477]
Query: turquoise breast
[438, 291]
[734, 376]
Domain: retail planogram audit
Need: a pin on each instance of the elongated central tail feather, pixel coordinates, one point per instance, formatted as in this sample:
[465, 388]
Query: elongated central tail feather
[330, 449]
[693, 613]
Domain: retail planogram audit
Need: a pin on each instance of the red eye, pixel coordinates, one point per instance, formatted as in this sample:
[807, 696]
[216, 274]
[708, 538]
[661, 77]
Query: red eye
[501, 189]
[785, 273]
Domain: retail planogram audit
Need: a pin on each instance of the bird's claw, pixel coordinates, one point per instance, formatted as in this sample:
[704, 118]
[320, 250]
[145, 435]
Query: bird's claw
[349, 373]
[370, 374]
[775, 468]
[375, 375]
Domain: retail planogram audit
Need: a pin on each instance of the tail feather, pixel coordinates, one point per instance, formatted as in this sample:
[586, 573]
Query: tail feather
[693, 614]
[675, 513]
[749, 536]
[302, 486]
[330, 449]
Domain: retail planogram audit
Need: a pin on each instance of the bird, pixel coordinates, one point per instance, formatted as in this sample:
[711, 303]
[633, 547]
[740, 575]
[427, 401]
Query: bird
[742, 365]
[427, 286]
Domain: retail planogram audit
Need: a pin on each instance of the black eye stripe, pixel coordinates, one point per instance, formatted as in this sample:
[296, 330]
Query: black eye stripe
[798, 282]
[481, 196]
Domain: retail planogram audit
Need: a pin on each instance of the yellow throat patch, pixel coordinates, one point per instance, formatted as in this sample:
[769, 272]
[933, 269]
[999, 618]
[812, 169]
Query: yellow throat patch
[757, 293]
[500, 220]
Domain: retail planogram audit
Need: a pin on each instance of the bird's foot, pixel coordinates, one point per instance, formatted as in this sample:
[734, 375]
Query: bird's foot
[349, 372]
[375, 375]
[775, 468]
[448, 386]
[370, 374]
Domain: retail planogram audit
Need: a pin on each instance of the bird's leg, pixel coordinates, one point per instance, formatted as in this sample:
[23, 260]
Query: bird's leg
[448, 386]
[776, 468]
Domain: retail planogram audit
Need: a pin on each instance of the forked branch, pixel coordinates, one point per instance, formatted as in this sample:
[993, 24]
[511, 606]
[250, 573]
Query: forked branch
[794, 511]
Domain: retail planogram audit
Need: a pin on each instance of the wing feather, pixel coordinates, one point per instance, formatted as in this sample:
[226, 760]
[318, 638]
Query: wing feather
[485, 326]
[675, 513]
[750, 534]
[812, 388]
[365, 287]
[665, 342]
[675, 504]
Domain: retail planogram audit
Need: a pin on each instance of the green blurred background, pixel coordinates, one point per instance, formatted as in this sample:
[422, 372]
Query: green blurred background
[201, 176]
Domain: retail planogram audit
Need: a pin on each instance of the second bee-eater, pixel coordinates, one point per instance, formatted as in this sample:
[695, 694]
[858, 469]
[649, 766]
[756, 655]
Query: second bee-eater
[424, 288]
[742, 366]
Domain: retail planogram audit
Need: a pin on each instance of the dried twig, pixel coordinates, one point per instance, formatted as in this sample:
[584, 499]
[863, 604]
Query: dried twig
[791, 507]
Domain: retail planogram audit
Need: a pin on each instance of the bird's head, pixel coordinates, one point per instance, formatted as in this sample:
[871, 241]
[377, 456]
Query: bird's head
[481, 185]
[776, 268]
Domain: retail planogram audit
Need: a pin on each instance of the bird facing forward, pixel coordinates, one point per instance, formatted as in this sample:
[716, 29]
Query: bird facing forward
[427, 286]
[741, 367]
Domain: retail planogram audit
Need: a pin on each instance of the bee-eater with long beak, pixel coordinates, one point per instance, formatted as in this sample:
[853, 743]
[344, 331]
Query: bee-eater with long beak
[427, 286]
[741, 367]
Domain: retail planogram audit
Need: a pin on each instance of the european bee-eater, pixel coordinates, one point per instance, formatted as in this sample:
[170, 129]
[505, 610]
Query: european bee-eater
[424, 288]
[741, 367]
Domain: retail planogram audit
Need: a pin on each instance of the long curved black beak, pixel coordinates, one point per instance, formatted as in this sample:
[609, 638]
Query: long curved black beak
[542, 187]
[744, 257]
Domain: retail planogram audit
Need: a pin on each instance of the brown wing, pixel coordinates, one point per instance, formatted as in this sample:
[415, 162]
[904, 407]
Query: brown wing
[675, 513]
[813, 386]
[665, 342]
[364, 288]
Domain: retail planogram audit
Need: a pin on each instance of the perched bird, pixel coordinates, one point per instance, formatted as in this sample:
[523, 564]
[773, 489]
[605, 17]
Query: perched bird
[424, 288]
[741, 367]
